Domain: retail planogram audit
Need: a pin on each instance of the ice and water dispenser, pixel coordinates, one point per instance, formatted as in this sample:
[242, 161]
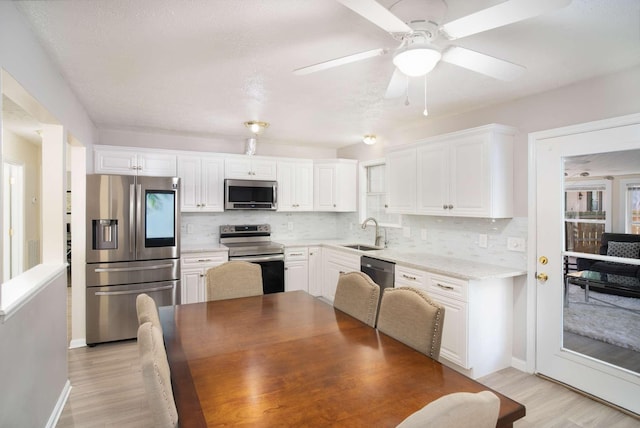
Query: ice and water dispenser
[105, 234]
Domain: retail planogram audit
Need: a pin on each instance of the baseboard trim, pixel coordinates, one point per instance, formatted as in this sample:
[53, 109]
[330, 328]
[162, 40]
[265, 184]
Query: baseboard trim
[519, 364]
[78, 343]
[57, 410]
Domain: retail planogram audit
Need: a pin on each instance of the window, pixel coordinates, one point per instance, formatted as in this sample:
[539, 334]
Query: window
[587, 214]
[373, 194]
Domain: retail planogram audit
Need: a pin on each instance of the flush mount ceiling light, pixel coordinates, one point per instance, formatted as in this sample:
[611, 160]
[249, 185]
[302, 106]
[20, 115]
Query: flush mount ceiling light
[256, 126]
[417, 58]
[369, 139]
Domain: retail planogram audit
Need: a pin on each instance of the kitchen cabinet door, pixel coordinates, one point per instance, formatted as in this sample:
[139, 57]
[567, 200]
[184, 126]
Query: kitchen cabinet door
[202, 183]
[401, 179]
[250, 169]
[130, 161]
[335, 262]
[315, 271]
[455, 330]
[334, 185]
[433, 180]
[295, 185]
[296, 269]
[192, 286]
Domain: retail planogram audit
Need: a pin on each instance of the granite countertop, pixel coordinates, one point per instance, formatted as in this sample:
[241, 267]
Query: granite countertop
[434, 263]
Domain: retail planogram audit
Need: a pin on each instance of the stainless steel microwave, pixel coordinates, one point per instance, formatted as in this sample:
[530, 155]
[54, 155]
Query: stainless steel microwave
[250, 195]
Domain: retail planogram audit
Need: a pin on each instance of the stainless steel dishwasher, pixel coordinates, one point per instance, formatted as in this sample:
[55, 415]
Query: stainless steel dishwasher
[381, 272]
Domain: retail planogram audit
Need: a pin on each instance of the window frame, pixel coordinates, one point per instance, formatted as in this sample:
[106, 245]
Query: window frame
[363, 179]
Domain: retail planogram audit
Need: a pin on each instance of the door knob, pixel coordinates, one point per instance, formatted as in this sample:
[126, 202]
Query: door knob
[542, 277]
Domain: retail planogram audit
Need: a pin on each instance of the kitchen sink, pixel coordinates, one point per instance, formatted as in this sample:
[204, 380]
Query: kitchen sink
[361, 247]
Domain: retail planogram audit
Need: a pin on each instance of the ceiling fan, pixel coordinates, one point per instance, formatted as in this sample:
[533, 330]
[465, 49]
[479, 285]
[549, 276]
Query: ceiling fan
[418, 54]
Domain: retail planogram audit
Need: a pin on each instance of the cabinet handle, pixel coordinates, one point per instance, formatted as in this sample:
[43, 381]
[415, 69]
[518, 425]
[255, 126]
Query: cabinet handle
[341, 272]
[334, 205]
[412, 278]
[201, 275]
[204, 260]
[295, 254]
[446, 287]
[450, 207]
[444, 207]
[286, 268]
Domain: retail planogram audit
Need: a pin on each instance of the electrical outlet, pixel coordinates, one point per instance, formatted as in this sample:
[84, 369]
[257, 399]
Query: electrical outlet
[483, 240]
[423, 234]
[290, 225]
[189, 228]
[516, 244]
[406, 232]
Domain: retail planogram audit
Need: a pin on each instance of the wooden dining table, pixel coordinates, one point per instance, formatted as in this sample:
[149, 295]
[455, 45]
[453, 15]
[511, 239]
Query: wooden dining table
[289, 359]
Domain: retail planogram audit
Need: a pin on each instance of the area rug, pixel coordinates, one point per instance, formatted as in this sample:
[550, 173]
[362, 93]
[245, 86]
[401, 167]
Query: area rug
[600, 320]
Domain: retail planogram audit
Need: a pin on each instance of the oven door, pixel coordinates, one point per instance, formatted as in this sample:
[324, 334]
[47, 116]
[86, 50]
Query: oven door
[272, 271]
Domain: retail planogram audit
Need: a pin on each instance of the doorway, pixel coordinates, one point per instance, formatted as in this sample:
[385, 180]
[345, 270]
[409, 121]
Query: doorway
[13, 203]
[552, 153]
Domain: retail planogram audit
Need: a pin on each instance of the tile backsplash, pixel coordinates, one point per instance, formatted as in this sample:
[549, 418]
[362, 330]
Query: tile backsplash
[451, 236]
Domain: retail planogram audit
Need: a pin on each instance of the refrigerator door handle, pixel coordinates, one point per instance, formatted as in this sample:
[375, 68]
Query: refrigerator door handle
[134, 268]
[120, 293]
[132, 217]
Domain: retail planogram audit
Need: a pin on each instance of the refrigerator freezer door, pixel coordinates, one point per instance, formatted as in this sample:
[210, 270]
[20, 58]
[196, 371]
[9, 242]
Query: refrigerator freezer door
[111, 311]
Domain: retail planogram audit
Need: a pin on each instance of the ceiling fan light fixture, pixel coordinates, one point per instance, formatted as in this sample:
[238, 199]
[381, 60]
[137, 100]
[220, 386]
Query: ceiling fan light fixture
[416, 61]
[256, 127]
[369, 139]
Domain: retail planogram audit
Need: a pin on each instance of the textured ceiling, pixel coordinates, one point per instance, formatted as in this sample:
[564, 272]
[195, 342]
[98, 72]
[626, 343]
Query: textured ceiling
[203, 67]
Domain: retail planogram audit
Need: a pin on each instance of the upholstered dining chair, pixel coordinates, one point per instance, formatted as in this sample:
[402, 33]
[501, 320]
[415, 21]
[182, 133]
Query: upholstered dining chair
[358, 296]
[410, 316]
[157, 376]
[460, 409]
[147, 311]
[234, 279]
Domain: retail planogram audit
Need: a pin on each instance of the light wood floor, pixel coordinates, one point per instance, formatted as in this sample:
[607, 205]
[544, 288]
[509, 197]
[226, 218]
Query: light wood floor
[107, 391]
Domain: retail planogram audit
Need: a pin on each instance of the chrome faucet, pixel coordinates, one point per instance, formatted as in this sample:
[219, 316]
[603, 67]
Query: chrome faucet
[378, 236]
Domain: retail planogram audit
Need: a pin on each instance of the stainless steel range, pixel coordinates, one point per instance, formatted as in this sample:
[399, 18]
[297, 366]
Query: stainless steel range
[252, 243]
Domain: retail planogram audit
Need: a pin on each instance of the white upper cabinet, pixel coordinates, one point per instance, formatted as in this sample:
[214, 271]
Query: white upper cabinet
[130, 161]
[401, 179]
[464, 174]
[295, 185]
[202, 181]
[334, 185]
[250, 168]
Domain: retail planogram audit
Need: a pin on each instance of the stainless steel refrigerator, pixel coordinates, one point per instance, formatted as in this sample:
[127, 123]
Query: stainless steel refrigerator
[133, 247]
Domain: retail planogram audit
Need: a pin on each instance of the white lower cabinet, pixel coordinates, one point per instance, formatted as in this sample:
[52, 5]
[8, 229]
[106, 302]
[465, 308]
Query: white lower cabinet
[335, 262]
[477, 333]
[193, 268]
[296, 269]
[315, 271]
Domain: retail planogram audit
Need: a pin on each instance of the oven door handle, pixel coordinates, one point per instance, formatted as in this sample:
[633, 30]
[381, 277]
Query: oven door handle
[258, 259]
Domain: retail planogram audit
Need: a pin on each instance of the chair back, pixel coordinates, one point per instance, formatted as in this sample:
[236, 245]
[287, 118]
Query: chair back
[147, 311]
[460, 409]
[157, 376]
[358, 296]
[234, 279]
[410, 316]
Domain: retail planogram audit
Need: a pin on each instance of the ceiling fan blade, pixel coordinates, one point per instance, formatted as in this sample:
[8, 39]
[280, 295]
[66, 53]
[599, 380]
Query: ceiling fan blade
[378, 14]
[481, 63]
[339, 61]
[397, 85]
[499, 15]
